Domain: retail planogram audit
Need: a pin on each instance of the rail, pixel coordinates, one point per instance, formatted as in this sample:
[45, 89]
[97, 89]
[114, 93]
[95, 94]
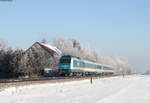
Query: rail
[47, 78]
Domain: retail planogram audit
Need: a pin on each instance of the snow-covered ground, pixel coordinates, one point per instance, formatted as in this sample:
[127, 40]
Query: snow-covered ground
[130, 89]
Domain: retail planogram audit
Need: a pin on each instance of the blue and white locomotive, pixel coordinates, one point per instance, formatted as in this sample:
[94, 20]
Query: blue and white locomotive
[70, 65]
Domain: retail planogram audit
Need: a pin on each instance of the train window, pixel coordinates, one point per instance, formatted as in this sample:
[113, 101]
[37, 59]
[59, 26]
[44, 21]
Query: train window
[86, 65]
[95, 66]
[65, 60]
[92, 66]
[99, 66]
[104, 67]
[82, 64]
[75, 63]
[89, 65]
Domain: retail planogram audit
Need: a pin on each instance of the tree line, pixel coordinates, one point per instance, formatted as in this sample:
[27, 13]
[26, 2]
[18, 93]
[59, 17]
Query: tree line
[31, 62]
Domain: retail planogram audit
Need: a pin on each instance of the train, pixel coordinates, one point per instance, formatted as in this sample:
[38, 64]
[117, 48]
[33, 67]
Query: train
[72, 65]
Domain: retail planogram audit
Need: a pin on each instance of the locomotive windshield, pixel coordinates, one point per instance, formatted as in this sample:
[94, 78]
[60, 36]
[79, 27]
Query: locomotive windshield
[65, 61]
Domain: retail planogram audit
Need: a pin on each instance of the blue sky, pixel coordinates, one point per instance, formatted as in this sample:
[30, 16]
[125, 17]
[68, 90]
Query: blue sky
[114, 27]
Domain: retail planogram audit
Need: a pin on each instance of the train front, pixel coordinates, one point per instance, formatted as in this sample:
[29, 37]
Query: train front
[64, 65]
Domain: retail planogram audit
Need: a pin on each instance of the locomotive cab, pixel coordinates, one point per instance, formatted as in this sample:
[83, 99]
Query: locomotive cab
[64, 65]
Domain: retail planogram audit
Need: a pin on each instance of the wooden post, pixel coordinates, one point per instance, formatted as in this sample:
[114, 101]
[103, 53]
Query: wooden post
[91, 80]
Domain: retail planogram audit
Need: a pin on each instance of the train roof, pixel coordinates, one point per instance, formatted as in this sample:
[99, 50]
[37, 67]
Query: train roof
[107, 66]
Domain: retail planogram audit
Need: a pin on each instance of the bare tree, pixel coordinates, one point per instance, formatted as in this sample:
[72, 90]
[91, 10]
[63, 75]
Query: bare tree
[14, 63]
[75, 48]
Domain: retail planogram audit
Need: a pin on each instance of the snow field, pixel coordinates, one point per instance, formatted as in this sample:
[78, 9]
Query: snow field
[130, 89]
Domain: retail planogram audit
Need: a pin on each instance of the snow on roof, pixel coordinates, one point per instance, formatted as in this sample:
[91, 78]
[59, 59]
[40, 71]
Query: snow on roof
[51, 48]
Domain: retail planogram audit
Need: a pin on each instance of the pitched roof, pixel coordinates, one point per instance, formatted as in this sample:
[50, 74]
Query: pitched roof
[50, 48]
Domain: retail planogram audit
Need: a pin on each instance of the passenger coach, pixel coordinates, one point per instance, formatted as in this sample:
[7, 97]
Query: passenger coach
[70, 65]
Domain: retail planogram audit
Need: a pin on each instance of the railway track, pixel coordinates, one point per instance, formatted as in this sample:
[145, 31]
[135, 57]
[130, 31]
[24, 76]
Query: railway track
[6, 83]
[49, 78]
